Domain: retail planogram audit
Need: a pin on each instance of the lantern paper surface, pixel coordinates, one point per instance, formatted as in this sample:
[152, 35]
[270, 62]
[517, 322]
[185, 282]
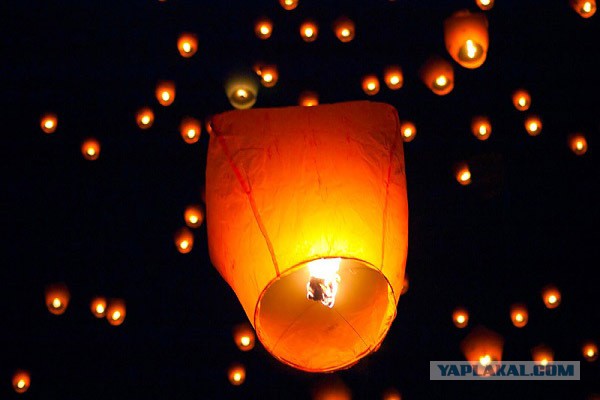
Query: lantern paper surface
[293, 189]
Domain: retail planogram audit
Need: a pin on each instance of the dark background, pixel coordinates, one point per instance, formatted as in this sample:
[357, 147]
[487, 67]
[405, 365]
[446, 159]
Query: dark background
[529, 218]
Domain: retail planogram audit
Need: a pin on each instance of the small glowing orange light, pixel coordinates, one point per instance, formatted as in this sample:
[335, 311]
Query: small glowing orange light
[370, 85]
[438, 75]
[519, 315]
[590, 351]
[585, 8]
[165, 92]
[187, 44]
[309, 31]
[268, 75]
[482, 346]
[48, 123]
[344, 29]
[308, 98]
[21, 381]
[460, 317]
[116, 311]
[244, 337]
[98, 307]
[288, 4]
[393, 77]
[521, 99]
[184, 240]
[405, 285]
[193, 215]
[577, 143]
[481, 127]
[462, 173]
[90, 148]
[391, 394]
[263, 28]
[190, 129]
[237, 374]
[533, 125]
[542, 354]
[144, 117]
[485, 4]
[408, 131]
[57, 298]
[551, 296]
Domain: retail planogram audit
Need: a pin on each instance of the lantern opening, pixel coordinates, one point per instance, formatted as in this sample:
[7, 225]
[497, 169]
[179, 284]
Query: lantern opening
[324, 279]
[470, 52]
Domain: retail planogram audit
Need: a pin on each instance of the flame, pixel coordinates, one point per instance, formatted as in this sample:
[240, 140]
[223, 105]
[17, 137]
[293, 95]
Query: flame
[323, 281]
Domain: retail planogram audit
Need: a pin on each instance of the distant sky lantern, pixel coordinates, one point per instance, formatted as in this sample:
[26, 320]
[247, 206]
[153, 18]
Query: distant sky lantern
[466, 38]
[187, 44]
[144, 117]
[21, 381]
[165, 92]
[184, 240]
[521, 99]
[519, 315]
[309, 31]
[462, 173]
[577, 143]
[370, 84]
[542, 354]
[236, 374]
[268, 74]
[190, 129]
[551, 296]
[331, 388]
[263, 28]
[308, 98]
[391, 394]
[408, 130]
[344, 29]
[438, 75]
[485, 4]
[405, 284]
[533, 125]
[193, 215]
[482, 346]
[48, 123]
[481, 127]
[585, 8]
[243, 336]
[393, 77]
[288, 4]
[460, 317]
[322, 246]
[98, 307]
[241, 90]
[90, 149]
[57, 298]
[590, 351]
[116, 312]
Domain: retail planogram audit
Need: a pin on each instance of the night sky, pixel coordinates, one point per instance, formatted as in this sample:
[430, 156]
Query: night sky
[105, 227]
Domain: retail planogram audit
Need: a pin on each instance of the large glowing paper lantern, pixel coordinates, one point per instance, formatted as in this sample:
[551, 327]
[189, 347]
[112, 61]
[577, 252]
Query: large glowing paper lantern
[466, 38]
[306, 214]
[21, 381]
[585, 8]
[438, 75]
[57, 298]
[48, 123]
[482, 346]
[187, 44]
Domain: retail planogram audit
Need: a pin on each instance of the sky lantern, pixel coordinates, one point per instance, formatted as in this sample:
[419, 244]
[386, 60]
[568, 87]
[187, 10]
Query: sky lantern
[405, 284]
[193, 215]
[481, 127]
[391, 394]
[460, 317]
[308, 98]
[236, 374]
[542, 354]
[519, 315]
[48, 123]
[585, 8]
[331, 388]
[370, 85]
[393, 77]
[408, 130]
[187, 44]
[268, 74]
[482, 346]
[485, 4]
[144, 117]
[165, 92]
[551, 296]
[116, 311]
[310, 247]
[309, 31]
[90, 148]
[590, 351]
[241, 90]
[438, 75]
[57, 298]
[21, 381]
[190, 129]
[98, 307]
[462, 173]
[521, 99]
[466, 37]
[344, 29]
[288, 4]
[533, 125]
[184, 240]
[577, 143]
[263, 28]
[243, 336]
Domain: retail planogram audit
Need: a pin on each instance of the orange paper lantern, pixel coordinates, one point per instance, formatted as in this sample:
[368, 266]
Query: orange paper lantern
[308, 98]
[460, 317]
[237, 374]
[308, 227]
[391, 394]
[57, 298]
[90, 148]
[542, 354]
[263, 28]
[370, 85]
[551, 296]
[344, 29]
[585, 8]
[408, 130]
[116, 311]
[462, 173]
[243, 336]
[482, 346]
[393, 77]
[485, 4]
[481, 127]
[521, 99]
[268, 75]
[165, 92]
[438, 75]
[288, 4]
[190, 129]
[533, 125]
[21, 381]
[98, 307]
[577, 143]
[193, 215]
[242, 90]
[144, 117]
[184, 240]
[590, 351]
[466, 38]
[187, 44]
[519, 315]
[309, 31]
[48, 123]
